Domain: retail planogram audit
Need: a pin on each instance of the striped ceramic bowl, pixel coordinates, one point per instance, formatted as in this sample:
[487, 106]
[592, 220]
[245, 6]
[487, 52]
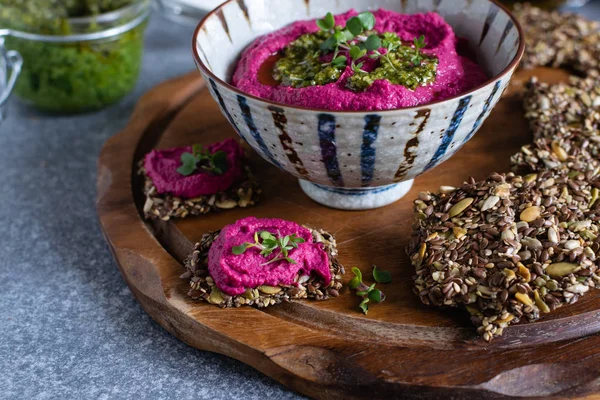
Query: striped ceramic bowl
[355, 160]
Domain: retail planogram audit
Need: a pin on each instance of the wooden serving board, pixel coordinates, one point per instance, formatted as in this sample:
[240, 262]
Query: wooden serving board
[329, 350]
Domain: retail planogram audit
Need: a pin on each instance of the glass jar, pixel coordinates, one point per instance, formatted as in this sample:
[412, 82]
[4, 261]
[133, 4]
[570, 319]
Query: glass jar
[10, 67]
[78, 64]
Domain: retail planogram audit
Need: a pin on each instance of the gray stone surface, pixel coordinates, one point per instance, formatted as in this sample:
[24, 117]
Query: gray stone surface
[69, 327]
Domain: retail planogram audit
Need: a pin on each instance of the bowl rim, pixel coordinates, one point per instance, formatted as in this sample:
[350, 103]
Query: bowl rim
[511, 66]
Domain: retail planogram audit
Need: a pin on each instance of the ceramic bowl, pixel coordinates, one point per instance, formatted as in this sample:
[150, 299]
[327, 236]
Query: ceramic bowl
[356, 160]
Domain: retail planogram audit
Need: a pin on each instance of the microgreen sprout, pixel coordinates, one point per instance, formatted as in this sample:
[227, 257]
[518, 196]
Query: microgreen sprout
[419, 44]
[381, 276]
[368, 293]
[390, 47]
[270, 243]
[326, 24]
[343, 39]
[358, 41]
[200, 158]
[339, 61]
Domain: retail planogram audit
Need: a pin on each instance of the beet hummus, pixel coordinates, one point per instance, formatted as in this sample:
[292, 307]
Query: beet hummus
[233, 274]
[449, 73]
[161, 166]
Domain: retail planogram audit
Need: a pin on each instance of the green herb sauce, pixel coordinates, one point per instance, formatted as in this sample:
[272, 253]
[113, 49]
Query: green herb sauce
[302, 65]
[71, 77]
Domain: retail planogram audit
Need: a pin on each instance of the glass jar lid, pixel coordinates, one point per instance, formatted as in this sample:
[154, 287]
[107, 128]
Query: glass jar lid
[72, 29]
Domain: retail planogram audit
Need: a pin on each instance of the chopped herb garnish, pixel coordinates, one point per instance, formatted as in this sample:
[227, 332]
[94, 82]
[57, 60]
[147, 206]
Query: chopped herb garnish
[270, 243]
[368, 293]
[381, 276]
[304, 61]
[200, 158]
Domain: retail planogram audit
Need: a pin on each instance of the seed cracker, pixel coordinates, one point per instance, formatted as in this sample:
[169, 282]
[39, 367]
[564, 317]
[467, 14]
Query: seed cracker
[559, 40]
[507, 248]
[166, 206]
[565, 122]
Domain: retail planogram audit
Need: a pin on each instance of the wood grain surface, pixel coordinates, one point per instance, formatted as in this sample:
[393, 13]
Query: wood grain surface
[329, 350]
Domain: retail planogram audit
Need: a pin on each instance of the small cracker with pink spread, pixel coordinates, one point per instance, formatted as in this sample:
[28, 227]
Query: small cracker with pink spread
[167, 206]
[202, 286]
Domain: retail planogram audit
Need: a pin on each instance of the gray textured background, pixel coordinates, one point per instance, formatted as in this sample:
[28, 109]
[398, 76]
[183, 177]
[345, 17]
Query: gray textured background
[69, 327]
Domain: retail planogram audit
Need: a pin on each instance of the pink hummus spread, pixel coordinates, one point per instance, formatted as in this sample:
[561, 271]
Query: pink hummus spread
[456, 74]
[233, 274]
[161, 166]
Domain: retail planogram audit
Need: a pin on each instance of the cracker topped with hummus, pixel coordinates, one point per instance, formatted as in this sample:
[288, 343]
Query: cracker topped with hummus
[262, 262]
[368, 61]
[195, 180]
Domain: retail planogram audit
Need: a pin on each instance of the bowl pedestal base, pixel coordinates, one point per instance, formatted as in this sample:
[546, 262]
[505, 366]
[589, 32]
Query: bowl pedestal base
[356, 198]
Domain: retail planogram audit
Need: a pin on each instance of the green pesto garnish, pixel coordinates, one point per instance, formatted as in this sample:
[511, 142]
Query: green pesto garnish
[303, 61]
[301, 64]
[399, 64]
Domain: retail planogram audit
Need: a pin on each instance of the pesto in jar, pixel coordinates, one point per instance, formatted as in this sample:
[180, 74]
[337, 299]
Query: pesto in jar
[303, 63]
[70, 77]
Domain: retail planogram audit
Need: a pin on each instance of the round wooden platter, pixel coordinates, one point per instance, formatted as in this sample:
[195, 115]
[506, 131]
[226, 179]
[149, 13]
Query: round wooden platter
[329, 350]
